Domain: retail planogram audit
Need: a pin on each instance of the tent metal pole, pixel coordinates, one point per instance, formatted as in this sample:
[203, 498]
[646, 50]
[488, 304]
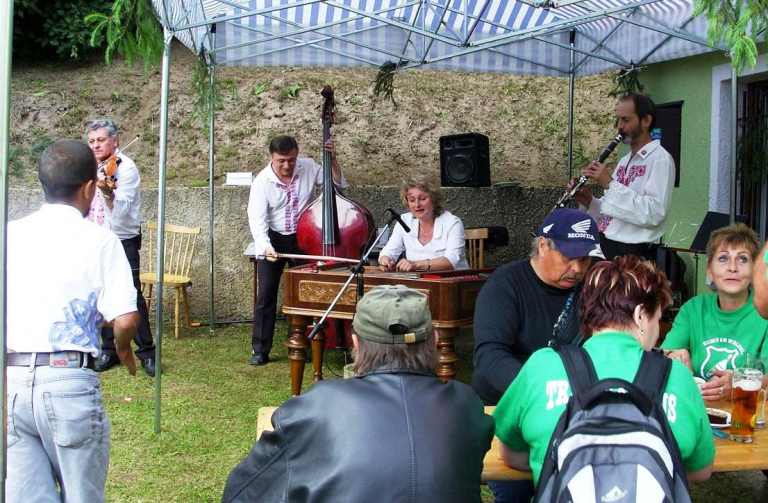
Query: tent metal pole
[168, 37]
[571, 86]
[734, 133]
[6, 43]
[211, 197]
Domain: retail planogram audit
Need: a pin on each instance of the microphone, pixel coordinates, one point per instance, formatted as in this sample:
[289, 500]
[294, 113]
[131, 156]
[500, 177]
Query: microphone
[396, 216]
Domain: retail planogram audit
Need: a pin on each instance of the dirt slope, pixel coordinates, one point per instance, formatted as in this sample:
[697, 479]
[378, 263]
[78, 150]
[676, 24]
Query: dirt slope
[525, 118]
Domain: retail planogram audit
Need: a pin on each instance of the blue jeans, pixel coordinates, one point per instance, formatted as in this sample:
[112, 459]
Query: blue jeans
[514, 491]
[58, 436]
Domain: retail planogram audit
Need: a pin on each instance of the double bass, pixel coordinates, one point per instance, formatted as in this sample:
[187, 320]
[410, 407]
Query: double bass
[333, 225]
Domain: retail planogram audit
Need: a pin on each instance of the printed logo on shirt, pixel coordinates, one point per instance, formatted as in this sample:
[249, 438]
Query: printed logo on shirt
[557, 393]
[721, 354]
[81, 326]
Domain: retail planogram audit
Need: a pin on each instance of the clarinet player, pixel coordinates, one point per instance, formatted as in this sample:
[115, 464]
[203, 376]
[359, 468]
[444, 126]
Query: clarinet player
[633, 212]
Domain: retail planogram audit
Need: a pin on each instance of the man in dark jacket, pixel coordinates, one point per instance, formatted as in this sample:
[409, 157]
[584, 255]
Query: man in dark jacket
[395, 433]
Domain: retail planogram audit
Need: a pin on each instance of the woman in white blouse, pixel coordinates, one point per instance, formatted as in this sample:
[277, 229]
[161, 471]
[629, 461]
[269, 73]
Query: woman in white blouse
[436, 240]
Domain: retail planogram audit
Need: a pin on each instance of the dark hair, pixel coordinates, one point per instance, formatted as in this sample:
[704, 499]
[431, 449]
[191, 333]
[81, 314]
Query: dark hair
[612, 290]
[733, 235]
[64, 167]
[643, 106]
[419, 356]
[283, 145]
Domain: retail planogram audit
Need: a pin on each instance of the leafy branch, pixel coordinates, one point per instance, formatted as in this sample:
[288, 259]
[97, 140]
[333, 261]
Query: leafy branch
[729, 22]
[132, 29]
[626, 81]
[385, 81]
[208, 99]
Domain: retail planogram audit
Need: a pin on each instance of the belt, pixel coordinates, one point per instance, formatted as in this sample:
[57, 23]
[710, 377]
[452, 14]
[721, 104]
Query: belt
[64, 359]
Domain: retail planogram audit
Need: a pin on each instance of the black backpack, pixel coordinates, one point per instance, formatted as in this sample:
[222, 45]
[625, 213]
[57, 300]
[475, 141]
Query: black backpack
[611, 445]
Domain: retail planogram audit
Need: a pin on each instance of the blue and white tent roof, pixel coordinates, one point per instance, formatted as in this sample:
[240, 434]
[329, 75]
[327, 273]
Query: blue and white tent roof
[525, 37]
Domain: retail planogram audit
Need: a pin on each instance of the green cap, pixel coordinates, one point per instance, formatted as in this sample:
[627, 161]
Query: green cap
[388, 305]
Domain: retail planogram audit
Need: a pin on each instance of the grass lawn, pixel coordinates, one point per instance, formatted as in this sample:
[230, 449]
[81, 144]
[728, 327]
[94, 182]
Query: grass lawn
[210, 399]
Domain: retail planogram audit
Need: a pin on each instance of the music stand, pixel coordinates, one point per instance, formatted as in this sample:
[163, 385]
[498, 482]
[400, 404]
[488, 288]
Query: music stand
[713, 221]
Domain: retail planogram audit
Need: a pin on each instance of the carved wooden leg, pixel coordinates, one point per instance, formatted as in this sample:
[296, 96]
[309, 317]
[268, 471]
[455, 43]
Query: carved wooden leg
[297, 350]
[318, 347]
[446, 369]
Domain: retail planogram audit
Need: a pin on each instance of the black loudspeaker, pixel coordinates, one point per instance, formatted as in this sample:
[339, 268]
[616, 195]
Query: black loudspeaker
[464, 160]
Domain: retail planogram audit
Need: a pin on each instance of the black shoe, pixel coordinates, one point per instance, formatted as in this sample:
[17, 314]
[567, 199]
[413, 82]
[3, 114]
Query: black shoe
[149, 366]
[106, 362]
[259, 359]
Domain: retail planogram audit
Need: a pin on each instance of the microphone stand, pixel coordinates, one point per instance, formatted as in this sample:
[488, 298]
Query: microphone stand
[359, 269]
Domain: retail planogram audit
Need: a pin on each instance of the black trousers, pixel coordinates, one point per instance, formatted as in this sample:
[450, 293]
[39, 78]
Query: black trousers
[143, 336]
[269, 273]
[613, 249]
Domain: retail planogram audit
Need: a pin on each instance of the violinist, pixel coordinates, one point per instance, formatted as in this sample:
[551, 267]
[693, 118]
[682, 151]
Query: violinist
[278, 195]
[117, 206]
[436, 238]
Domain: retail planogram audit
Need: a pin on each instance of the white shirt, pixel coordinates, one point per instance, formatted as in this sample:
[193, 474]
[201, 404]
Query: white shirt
[635, 207]
[64, 274]
[125, 218]
[447, 241]
[268, 206]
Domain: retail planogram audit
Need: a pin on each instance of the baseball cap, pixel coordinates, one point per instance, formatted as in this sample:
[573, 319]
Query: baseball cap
[574, 233]
[388, 305]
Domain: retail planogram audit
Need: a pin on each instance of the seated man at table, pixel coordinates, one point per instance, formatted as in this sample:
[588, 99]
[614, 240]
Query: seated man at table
[393, 433]
[527, 303]
[620, 307]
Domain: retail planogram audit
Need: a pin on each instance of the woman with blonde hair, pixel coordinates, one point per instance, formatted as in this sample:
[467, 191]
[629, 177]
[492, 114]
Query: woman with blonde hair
[713, 334]
[436, 238]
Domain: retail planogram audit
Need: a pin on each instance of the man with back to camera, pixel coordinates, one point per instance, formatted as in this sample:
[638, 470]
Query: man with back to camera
[65, 276]
[527, 303]
[117, 206]
[395, 432]
[633, 213]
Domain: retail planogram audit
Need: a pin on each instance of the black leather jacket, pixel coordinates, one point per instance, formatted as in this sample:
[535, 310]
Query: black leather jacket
[382, 437]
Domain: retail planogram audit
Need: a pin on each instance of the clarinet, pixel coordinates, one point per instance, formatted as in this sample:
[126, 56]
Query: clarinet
[568, 195]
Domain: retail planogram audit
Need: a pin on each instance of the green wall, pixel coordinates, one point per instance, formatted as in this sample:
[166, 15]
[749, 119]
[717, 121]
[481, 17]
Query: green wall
[688, 80]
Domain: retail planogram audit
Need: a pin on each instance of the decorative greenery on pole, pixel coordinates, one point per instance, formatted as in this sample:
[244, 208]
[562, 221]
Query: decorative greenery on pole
[729, 22]
[132, 29]
[208, 99]
[626, 81]
[384, 83]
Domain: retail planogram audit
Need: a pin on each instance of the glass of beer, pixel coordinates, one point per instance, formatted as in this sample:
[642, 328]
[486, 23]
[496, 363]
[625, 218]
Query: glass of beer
[746, 391]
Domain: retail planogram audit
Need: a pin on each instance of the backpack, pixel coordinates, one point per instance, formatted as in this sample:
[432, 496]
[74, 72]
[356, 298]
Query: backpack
[612, 446]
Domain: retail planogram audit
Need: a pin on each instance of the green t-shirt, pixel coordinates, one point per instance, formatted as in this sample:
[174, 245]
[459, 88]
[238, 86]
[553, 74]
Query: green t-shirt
[716, 339]
[528, 412]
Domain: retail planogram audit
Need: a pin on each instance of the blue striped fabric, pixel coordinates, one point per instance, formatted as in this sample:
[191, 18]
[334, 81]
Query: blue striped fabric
[501, 36]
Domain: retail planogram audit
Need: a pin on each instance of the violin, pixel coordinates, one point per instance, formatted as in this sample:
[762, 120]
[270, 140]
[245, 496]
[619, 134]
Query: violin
[108, 167]
[333, 225]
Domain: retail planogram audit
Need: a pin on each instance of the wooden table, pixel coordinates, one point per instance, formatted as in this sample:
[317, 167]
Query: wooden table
[730, 456]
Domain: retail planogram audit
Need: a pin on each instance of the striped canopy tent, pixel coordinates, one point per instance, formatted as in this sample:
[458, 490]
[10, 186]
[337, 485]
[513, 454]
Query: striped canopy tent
[524, 37]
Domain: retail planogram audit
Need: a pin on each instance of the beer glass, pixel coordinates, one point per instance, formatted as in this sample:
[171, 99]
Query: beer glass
[746, 391]
[760, 421]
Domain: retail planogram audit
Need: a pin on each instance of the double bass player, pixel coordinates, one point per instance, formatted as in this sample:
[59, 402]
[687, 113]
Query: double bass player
[278, 195]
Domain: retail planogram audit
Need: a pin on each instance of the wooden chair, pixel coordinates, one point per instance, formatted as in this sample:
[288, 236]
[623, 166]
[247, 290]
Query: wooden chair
[475, 243]
[179, 251]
